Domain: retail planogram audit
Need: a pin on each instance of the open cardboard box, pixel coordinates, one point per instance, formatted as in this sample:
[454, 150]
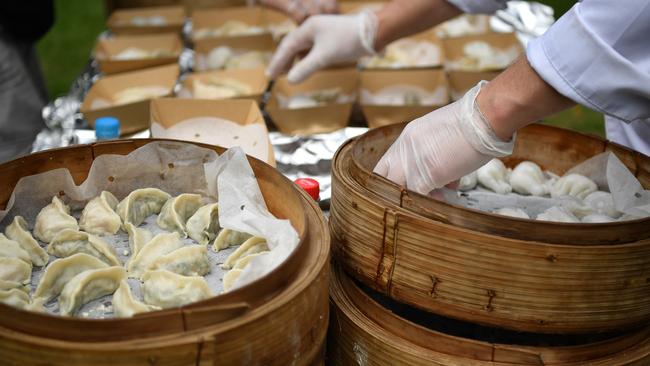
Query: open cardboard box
[107, 49]
[169, 112]
[426, 36]
[216, 18]
[134, 116]
[255, 79]
[259, 42]
[462, 81]
[312, 120]
[354, 7]
[480, 24]
[381, 115]
[121, 21]
[454, 46]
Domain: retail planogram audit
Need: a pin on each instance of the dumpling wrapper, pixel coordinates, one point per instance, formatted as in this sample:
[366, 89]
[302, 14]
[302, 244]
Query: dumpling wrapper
[8, 285]
[512, 212]
[61, 271]
[168, 290]
[527, 178]
[602, 203]
[99, 216]
[177, 210]
[15, 298]
[125, 305]
[161, 244]
[11, 249]
[18, 231]
[574, 185]
[468, 182]
[229, 238]
[251, 246]
[596, 219]
[557, 214]
[252, 138]
[138, 237]
[203, 226]
[191, 260]
[52, 219]
[139, 93]
[69, 242]
[494, 176]
[230, 277]
[89, 285]
[15, 270]
[140, 204]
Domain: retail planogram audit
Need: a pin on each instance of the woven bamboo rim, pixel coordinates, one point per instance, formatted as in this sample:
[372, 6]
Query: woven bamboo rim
[364, 332]
[488, 279]
[553, 148]
[238, 328]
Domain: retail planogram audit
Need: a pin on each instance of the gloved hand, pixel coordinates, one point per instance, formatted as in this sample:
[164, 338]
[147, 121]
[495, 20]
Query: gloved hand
[443, 146]
[333, 39]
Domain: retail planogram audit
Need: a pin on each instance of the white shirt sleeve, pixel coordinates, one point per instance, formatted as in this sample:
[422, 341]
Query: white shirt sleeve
[479, 6]
[598, 54]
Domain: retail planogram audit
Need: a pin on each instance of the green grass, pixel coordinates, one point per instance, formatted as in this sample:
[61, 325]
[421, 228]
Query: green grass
[66, 48]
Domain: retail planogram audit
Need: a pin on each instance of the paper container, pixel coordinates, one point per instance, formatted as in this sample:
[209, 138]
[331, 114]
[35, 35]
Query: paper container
[354, 7]
[480, 25]
[307, 121]
[428, 36]
[454, 46]
[259, 42]
[168, 112]
[462, 81]
[374, 81]
[215, 18]
[133, 117]
[120, 20]
[256, 80]
[108, 48]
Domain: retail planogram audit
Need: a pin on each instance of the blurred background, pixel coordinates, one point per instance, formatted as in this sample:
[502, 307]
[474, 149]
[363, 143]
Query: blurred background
[64, 52]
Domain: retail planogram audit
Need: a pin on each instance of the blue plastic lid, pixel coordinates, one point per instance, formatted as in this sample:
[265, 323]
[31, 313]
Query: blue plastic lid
[107, 128]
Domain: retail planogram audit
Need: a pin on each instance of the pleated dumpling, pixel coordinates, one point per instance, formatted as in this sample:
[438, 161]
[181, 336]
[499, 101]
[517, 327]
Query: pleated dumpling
[61, 271]
[15, 297]
[512, 212]
[168, 289]
[69, 242]
[99, 216]
[602, 203]
[230, 277]
[19, 232]
[138, 237]
[468, 182]
[52, 219]
[527, 178]
[596, 219]
[191, 260]
[494, 176]
[89, 285]
[8, 285]
[177, 211]
[229, 238]
[203, 226]
[11, 249]
[125, 305]
[161, 244]
[140, 204]
[250, 246]
[557, 214]
[15, 270]
[574, 185]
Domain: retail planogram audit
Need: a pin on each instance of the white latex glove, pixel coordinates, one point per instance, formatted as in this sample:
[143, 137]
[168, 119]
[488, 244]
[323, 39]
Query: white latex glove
[333, 39]
[442, 146]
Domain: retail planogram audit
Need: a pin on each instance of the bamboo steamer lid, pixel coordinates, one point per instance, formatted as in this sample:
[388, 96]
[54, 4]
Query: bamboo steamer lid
[365, 332]
[440, 263]
[277, 320]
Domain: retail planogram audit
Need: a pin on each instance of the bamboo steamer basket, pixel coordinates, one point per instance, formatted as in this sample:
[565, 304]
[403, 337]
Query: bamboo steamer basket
[365, 332]
[278, 320]
[486, 268]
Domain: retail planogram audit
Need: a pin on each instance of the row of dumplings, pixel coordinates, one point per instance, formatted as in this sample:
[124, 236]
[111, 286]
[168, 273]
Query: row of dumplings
[582, 201]
[89, 268]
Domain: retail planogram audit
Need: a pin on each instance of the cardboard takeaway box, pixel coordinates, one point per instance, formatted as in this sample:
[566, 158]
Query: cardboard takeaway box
[319, 119]
[354, 7]
[124, 21]
[134, 116]
[177, 119]
[216, 18]
[259, 42]
[430, 80]
[426, 36]
[460, 81]
[107, 49]
[255, 79]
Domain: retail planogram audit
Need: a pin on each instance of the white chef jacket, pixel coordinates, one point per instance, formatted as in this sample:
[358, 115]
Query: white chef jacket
[597, 54]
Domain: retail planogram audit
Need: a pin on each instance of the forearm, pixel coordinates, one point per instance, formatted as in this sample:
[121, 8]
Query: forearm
[401, 18]
[517, 98]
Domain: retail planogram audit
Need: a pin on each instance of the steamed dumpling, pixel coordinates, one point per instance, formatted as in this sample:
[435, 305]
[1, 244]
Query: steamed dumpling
[229, 279]
[160, 245]
[558, 214]
[138, 237]
[167, 289]
[175, 212]
[11, 249]
[140, 204]
[15, 298]
[574, 185]
[527, 178]
[125, 305]
[203, 226]
[494, 176]
[602, 203]
[250, 246]
[99, 216]
[596, 218]
[512, 212]
[15, 270]
[191, 260]
[228, 238]
[468, 182]
[61, 271]
[19, 232]
[52, 219]
[69, 242]
[8, 285]
[89, 285]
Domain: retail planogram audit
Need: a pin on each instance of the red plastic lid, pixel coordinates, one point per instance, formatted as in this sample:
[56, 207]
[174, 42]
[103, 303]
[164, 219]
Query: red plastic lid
[310, 185]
